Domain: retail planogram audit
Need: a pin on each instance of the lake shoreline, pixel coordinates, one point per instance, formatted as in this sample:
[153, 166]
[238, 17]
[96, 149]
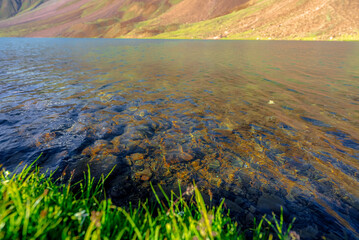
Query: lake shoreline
[348, 39]
[44, 207]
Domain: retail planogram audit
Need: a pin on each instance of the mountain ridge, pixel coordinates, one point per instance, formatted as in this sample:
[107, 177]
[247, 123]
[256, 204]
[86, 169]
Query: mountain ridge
[197, 19]
[9, 8]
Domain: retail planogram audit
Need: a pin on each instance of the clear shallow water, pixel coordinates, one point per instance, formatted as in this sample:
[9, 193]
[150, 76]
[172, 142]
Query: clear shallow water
[194, 110]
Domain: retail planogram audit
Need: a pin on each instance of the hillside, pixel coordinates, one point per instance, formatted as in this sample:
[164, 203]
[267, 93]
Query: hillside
[9, 8]
[213, 19]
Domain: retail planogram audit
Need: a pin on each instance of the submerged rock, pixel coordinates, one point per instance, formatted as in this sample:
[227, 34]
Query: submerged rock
[270, 203]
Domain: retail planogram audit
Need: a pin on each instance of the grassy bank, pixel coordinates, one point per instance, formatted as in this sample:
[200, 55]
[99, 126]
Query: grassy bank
[34, 205]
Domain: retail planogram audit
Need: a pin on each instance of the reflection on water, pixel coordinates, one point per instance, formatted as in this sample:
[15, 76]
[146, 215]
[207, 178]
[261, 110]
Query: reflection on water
[262, 124]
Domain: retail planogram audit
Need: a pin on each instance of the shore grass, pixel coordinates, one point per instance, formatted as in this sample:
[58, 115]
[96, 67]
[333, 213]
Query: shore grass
[34, 205]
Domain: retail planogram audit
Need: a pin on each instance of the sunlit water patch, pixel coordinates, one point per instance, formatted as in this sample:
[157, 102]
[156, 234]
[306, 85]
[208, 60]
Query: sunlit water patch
[262, 124]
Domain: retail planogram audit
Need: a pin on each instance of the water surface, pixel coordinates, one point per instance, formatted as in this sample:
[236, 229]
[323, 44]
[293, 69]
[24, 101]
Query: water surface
[260, 123]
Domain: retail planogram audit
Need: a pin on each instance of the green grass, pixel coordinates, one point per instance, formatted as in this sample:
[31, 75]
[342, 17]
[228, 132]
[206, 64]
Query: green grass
[208, 29]
[34, 205]
[213, 27]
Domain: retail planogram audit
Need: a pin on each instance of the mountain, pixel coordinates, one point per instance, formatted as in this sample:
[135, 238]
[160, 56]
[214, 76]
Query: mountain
[204, 19]
[9, 8]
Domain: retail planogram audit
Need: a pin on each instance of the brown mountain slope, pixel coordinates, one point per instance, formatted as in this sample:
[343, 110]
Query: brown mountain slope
[276, 19]
[304, 18]
[81, 18]
[189, 11]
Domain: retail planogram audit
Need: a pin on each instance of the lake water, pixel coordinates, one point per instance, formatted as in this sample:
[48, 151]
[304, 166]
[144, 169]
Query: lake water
[261, 123]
